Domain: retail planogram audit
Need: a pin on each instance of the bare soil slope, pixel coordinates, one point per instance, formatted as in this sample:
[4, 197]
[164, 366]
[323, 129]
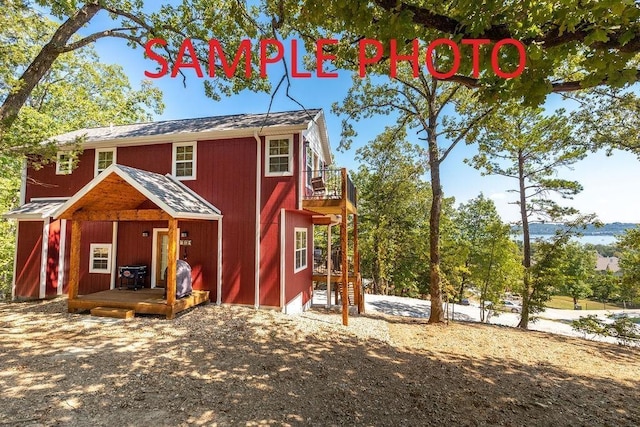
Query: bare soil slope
[237, 366]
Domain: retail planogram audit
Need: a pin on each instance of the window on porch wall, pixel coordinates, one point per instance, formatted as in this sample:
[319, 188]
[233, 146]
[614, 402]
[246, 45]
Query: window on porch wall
[100, 258]
[300, 249]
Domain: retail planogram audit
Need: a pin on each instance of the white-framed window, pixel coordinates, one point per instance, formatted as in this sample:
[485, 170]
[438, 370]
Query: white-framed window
[300, 249]
[279, 156]
[104, 158]
[100, 258]
[64, 163]
[184, 160]
[309, 165]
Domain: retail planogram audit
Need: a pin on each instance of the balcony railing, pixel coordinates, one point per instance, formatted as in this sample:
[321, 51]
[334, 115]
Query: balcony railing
[327, 184]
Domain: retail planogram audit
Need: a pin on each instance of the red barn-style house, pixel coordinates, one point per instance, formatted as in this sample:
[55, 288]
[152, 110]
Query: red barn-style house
[236, 197]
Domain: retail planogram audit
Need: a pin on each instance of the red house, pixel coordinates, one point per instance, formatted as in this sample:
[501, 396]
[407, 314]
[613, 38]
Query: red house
[235, 196]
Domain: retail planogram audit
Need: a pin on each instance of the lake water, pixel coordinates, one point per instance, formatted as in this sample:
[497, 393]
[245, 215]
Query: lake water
[601, 239]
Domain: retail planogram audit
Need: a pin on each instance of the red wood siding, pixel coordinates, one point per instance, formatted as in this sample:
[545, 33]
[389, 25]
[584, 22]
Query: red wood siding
[277, 193]
[202, 255]
[227, 178]
[93, 232]
[28, 259]
[133, 249]
[60, 185]
[300, 282]
[153, 158]
[53, 254]
[67, 259]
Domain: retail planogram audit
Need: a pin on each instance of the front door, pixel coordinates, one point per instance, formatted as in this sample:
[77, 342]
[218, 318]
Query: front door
[162, 250]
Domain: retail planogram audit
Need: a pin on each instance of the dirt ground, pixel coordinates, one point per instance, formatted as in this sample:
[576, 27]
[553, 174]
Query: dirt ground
[238, 366]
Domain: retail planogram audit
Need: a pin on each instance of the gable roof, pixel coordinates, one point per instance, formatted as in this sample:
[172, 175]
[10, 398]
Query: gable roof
[170, 195]
[247, 123]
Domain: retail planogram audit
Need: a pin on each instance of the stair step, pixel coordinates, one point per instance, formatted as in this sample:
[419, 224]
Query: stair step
[118, 313]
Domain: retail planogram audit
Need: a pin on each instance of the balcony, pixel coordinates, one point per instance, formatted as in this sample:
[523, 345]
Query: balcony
[328, 191]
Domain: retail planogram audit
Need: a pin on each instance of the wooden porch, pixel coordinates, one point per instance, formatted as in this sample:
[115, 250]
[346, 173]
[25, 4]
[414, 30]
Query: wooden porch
[334, 199]
[142, 301]
[122, 193]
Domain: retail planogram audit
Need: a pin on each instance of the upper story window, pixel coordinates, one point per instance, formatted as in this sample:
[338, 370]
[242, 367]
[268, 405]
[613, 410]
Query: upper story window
[64, 163]
[279, 156]
[184, 160]
[311, 161]
[104, 159]
[100, 258]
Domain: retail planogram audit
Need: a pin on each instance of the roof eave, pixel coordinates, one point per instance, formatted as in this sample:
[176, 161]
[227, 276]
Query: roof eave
[189, 136]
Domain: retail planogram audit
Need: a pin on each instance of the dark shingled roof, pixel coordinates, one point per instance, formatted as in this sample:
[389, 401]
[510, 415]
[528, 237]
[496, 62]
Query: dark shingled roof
[202, 124]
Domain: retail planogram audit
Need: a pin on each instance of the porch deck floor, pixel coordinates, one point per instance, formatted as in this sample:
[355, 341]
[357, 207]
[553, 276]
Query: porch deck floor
[147, 301]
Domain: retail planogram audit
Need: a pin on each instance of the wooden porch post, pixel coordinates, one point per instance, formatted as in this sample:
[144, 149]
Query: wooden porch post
[329, 265]
[172, 259]
[74, 261]
[343, 245]
[357, 284]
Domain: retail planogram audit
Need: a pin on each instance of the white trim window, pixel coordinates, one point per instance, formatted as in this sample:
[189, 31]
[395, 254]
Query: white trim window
[100, 258]
[64, 163]
[184, 160]
[279, 156]
[300, 249]
[310, 162]
[104, 158]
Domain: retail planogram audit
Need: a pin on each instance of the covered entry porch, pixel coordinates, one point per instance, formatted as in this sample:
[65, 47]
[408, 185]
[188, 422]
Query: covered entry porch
[124, 194]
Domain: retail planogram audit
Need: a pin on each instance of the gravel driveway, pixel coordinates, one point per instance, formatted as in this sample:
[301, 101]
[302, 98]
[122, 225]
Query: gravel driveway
[551, 320]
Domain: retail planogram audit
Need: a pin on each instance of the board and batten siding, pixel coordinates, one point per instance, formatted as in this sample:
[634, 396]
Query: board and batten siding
[227, 178]
[278, 192]
[60, 185]
[300, 283]
[93, 232]
[28, 259]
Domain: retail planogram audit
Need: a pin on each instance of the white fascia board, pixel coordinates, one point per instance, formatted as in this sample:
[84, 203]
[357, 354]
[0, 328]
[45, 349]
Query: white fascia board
[179, 215]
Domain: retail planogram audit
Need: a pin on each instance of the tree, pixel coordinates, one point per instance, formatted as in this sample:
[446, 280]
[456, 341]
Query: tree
[529, 147]
[200, 20]
[491, 263]
[606, 287]
[567, 47]
[421, 105]
[608, 119]
[78, 91]
[577, 271]
[629, 244]
[391, 203]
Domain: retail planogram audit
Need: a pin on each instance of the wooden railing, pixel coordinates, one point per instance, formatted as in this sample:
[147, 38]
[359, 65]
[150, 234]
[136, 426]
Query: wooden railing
[327, 184]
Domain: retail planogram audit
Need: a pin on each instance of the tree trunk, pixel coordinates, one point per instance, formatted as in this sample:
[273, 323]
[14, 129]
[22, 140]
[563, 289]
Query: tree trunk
[42, 63]
[463, 282]
[526, 242]
[437, 313]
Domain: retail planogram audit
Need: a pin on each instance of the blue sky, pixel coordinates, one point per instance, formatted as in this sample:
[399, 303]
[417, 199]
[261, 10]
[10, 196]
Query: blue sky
[609, 182]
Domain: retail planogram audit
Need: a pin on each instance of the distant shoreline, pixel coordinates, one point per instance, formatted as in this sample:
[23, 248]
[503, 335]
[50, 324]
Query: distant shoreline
[610, 230]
